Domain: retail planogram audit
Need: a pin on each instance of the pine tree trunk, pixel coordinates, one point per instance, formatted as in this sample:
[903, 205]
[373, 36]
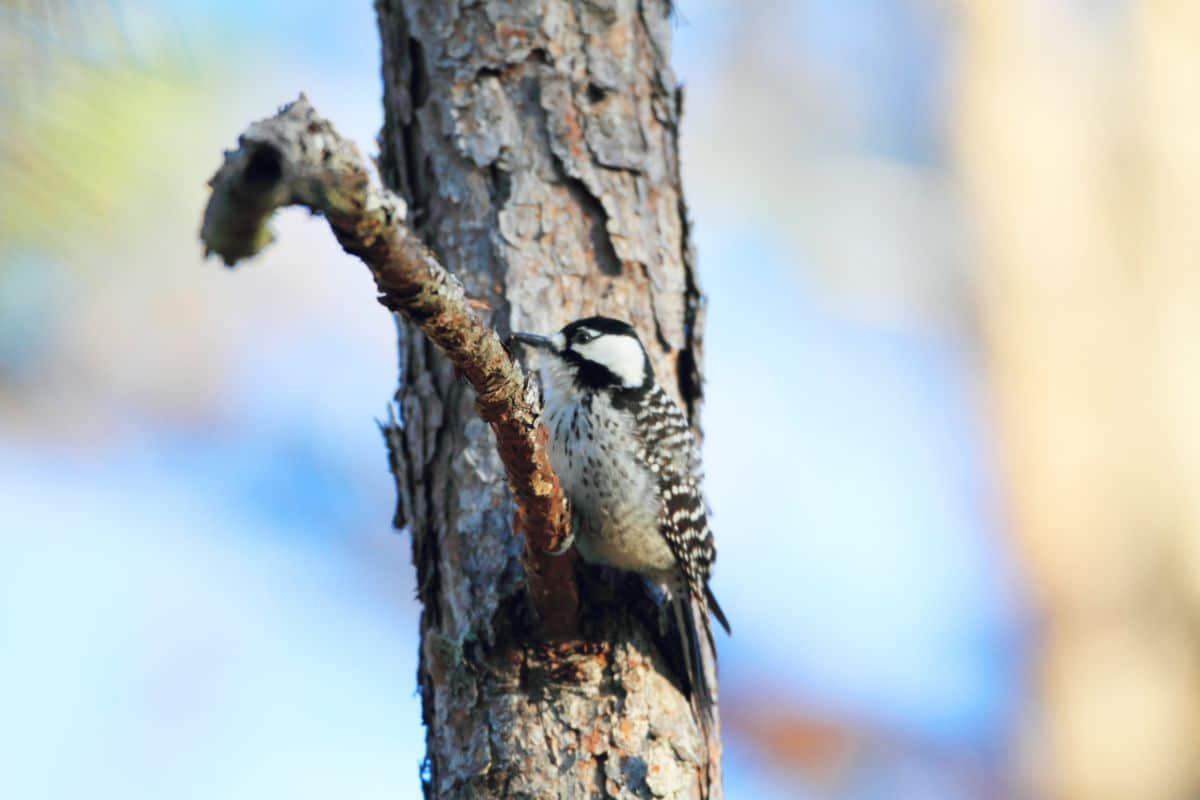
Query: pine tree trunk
[1078, 130]
[537, 146]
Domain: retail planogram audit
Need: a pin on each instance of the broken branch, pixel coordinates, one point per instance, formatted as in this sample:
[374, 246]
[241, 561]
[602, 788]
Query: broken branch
[297, 158]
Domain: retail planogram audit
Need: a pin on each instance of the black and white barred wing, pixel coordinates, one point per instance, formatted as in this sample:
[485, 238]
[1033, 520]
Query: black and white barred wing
[671, 453]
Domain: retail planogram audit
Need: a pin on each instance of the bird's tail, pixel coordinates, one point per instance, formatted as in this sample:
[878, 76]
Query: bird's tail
[699, 656]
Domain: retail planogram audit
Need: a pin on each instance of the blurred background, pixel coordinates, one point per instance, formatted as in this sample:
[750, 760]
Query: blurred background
[950, 252]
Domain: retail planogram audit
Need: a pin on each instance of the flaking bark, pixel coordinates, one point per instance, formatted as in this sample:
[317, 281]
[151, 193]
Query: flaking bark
[536, 143]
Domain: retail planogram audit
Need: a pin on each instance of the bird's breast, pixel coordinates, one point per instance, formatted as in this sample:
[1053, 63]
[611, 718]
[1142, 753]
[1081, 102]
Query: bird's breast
[614, 497]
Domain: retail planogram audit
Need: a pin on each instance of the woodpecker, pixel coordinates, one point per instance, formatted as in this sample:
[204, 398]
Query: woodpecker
[630, 467]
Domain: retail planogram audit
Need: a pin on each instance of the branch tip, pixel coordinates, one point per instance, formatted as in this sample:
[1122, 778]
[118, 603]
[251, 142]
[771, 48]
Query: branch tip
[298, 158]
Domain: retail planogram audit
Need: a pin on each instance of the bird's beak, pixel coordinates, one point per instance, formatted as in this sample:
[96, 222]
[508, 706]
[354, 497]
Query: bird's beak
[533, 340]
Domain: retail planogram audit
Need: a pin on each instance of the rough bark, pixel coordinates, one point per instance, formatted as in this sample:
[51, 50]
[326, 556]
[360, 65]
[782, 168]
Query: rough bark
[536, 146]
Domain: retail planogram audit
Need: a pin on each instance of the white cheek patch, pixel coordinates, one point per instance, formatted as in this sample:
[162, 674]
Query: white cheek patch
[622, 355]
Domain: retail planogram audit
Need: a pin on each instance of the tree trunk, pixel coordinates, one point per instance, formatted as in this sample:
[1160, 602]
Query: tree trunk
[537, 146]
[1079, 139]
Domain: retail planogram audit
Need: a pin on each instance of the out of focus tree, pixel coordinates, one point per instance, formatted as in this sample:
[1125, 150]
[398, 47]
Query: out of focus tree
[1079, 129]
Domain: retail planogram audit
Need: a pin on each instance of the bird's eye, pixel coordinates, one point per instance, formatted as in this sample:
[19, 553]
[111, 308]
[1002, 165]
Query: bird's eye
[583, 336]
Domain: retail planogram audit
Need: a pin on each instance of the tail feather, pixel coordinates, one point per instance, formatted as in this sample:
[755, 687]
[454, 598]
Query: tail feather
[715, 608]
[695, 631]
[692, 620]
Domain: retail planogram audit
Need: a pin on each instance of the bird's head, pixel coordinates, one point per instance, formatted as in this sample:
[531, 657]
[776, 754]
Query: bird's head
[594, 353]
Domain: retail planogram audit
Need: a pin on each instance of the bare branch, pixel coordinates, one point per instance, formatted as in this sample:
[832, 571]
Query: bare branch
[297, 158]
